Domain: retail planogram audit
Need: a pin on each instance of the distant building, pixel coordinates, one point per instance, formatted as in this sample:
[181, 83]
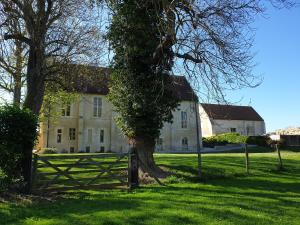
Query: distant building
[218, 119]
[88, 124]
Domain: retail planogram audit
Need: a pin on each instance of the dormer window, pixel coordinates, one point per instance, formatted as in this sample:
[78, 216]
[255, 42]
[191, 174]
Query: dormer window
[97, 107]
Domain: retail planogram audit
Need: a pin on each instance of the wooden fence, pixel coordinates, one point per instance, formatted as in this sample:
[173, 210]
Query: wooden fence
[81, 171]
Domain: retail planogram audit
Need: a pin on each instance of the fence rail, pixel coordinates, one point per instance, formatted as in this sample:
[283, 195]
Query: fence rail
[82, 171]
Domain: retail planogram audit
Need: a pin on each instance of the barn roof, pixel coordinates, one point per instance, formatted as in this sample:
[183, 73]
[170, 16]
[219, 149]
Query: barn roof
[231, 112]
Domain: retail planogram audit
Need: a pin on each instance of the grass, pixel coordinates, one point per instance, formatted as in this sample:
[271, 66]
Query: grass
[226, 195]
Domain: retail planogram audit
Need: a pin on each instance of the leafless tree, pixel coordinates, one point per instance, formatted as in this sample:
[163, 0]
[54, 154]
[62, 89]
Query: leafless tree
[211, 41]
[56, 32]
[12, 62]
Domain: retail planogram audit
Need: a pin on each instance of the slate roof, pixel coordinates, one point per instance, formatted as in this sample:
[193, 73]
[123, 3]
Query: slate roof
[95, 80]
[231, 112]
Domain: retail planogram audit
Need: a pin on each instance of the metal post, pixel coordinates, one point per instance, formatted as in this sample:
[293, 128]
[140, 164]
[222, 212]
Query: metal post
[133, 169]
[247, 158]
[33, 173]
[198, 141]
[279, 156]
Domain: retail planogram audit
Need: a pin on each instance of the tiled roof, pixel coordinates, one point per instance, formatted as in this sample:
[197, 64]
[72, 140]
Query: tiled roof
[231, 112]
[95, 80]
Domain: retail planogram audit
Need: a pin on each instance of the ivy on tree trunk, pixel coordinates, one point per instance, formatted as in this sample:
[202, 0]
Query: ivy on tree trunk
[140, 88]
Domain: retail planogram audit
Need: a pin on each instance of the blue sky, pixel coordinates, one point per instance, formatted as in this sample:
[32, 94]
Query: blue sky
[277, 48]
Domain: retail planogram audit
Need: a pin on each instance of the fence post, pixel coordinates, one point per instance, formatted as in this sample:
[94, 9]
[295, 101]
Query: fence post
[33, 173]
[133, 169]
[279, 156]
[247, 158]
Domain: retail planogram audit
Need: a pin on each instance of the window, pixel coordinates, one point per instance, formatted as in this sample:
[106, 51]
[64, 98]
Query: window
[101, 136]
[250, 130]
[184, 143]
[72, 133]
[233, 130]
[72, 150]
[183, 119]
[87, 149]
[59, 135]
[159, 144]
[102, 149]
[66, 111]
[97, 107]
[90, 135]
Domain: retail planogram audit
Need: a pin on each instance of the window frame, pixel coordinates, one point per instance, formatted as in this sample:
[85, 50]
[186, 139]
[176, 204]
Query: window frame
[90, 135]
[232, 129]
[97, 107]
[66, 110]
[184, 123]
[59, 134]
[72, 135]
[101, 135]
[185, 143]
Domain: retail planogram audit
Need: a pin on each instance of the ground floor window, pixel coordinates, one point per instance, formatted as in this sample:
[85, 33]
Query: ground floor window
[87, 149]
[72, 133]
[59, 135]
[102, 149]
[90, 135]
[185, 144]
[159, 144]
[233, 130]
[101, 137]
[72, 149]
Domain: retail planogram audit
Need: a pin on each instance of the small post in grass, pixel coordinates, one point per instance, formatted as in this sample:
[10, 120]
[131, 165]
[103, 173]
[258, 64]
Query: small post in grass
[280, 166]
[246, 158]
[133, 169]
[34, 172]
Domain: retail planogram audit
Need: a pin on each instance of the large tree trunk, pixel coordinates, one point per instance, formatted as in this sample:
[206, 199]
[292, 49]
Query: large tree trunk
[147, 166]
[33, 101]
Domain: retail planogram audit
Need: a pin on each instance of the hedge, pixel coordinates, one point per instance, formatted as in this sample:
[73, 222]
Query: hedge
[18, 132]
[235, 138]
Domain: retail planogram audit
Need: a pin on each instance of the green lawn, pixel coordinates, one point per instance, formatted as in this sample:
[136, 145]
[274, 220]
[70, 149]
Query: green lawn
[225, 196]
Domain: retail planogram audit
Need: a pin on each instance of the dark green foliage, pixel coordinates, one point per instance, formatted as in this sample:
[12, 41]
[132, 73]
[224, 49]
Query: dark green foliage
[235, 138]
[140, 89]
[17, 134]
[49, 151]
[263, 141]
[223, 139]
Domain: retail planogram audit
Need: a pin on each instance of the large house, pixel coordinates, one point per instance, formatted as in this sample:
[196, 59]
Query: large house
[87, 125]
[218, 119]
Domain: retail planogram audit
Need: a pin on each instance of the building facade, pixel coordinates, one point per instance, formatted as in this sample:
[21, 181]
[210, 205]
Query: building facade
[219, 119]
[87, 125]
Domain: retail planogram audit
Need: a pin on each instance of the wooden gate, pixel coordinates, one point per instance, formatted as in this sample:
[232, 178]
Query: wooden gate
[80, 171]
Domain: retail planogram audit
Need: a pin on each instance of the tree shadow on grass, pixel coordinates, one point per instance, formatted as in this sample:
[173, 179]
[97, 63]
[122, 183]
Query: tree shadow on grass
[75, 203]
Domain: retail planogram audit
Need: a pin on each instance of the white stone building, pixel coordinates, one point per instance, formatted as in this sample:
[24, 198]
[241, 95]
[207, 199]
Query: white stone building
[87, 125]
[218, 119]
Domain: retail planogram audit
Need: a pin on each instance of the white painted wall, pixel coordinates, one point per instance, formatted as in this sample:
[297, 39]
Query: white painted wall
[81, 118]
[212, 127]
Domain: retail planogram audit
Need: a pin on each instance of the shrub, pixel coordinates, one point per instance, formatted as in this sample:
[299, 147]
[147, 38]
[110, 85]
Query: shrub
[49, 151]
[263, 141]
[223, 139]
[18, 132]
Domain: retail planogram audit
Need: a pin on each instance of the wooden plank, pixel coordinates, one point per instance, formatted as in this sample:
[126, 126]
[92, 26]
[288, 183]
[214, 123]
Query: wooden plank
[84, 181]
[95, 186]
[62, 172]
[106, 176]
[82, 171]
[82, 164]
[100, 155]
